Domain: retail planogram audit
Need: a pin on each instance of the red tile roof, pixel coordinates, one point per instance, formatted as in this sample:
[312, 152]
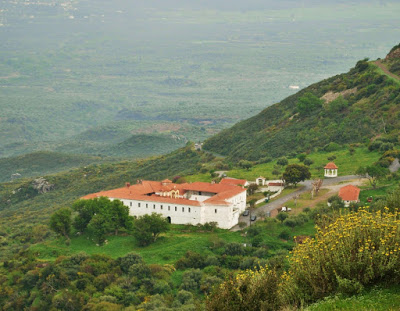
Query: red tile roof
[146, 191]
[233, 181]
[349, 193]
[331, 166]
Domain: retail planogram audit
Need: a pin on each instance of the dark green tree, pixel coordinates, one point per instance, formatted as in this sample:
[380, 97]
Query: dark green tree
[302, 157]
[282, 161]
[98, 227]
[147, 228]
[118, 215]
[282, 216]
[308, 103]
[245, 164]
[60, 222]
[115, 211]
[294, 173]
[252, 188]
[86, 210]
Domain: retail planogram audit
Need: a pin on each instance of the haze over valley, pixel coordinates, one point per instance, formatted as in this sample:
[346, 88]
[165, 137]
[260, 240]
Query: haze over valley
[105, 77]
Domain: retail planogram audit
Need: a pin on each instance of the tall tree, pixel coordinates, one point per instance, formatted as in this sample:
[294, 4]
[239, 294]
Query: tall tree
[147, 228]
[294, 173]
[119, 216]
[98, 227]
[60, 222]
[373, 173]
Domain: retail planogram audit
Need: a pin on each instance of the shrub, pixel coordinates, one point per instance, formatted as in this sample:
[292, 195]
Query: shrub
[290, 222]
[282, 216]
[191, 280]
[331, 147]
[285, 235]
[233, 249]
[386, 146]
[282, 161]
[356, 249]
[375, 145]
[248, 291]
[302, 157]
[308, 162]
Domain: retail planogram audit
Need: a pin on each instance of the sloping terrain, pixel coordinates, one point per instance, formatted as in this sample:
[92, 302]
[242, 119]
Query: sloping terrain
[41, 163]
[354, 107]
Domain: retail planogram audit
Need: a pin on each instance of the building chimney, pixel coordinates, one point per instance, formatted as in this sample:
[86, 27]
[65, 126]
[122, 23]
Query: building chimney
[127, 185]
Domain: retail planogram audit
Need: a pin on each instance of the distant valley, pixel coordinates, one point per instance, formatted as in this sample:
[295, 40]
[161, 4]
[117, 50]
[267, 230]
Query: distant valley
[185, 72]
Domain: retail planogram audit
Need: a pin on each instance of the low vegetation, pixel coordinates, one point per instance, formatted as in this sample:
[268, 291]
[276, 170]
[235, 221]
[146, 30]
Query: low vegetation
[353, 251]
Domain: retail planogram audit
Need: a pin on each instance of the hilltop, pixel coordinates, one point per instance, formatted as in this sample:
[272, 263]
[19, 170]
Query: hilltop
[355, 107]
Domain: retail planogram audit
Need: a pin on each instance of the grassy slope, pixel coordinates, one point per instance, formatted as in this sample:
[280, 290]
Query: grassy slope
[22, 209]
[377, 299]
[278, 130]
[170, 246]
[40, 163]
[347, 163]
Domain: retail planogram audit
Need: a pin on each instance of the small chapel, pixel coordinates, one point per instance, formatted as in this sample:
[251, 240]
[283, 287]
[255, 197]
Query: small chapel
[331, 170]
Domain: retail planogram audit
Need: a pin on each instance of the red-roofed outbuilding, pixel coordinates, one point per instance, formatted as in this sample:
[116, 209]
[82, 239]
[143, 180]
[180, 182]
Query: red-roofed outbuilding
[349, 194]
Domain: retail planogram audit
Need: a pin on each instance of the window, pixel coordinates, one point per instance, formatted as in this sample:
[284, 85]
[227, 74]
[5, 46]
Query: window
[154, 206]
[183, 209]
[161, 206]
[169, 208]
[189, 209]
[215, 211]
[147, 205]
[138, 204]
[130, 204]
[199, 192]
[176, 208]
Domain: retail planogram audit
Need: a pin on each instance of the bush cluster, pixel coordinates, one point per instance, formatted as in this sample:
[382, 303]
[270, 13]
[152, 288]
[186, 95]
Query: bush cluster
[359, 249]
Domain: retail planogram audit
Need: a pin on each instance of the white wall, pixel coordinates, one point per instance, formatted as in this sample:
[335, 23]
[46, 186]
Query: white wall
[225, 216]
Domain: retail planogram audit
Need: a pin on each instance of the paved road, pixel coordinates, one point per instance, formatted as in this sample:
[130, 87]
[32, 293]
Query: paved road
[305, 187]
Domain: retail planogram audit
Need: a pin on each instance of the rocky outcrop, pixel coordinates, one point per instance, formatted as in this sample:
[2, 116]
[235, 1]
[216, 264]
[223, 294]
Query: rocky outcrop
[394, 53]
[331, 96]
[42, 185]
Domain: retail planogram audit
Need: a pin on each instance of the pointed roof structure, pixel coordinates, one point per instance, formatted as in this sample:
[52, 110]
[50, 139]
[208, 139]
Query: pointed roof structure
[331, 166]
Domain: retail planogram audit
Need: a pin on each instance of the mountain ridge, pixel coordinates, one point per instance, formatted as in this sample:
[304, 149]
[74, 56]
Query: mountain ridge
[368, 110]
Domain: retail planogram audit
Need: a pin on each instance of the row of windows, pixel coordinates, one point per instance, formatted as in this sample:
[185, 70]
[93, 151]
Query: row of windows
[169, 207]
[161, 207]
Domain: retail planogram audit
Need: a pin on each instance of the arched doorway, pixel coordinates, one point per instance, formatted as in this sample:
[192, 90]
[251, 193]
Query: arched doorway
[169, 219]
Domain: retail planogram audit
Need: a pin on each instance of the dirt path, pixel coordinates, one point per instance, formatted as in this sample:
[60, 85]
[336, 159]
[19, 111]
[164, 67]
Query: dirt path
[385, 70]
[334, 189]
[333, 184]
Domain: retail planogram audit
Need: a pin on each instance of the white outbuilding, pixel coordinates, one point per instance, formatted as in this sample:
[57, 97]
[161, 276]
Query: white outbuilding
[331, 170]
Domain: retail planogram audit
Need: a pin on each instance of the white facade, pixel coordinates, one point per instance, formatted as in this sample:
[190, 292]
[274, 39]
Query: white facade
[260, 181]
[226, 216]
[331, 172]
[196, 203]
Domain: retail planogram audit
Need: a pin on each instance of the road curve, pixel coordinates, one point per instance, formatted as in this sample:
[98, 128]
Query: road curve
[305, 187]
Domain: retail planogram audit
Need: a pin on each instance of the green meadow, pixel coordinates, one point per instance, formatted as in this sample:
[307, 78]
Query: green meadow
[348, 164]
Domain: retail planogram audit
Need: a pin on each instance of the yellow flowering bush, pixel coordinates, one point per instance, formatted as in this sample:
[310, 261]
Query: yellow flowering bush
[357, 249]
[247, 291]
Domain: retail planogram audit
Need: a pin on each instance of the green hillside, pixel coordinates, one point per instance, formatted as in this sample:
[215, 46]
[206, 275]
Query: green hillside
[21, 207]
[41, 163]
[361, 105]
